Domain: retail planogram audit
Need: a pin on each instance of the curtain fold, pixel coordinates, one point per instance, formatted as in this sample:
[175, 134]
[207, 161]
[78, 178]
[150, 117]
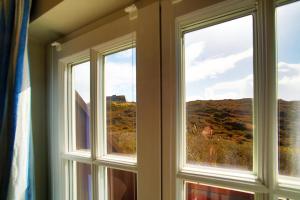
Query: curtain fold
[16, 148]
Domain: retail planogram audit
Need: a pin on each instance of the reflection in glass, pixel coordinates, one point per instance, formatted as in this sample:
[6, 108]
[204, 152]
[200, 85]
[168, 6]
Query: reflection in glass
[218, 94]
[84, 181]
[120, 92]
[81, 95]
[196, 191]
[288, 64]
[121, 185]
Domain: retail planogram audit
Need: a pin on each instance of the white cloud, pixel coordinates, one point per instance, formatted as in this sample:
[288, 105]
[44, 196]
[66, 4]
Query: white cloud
[120, 79]
[120, 73]
[82, 80]
[283, 66]
[288, 84]
[192, 51]
[237, 89]
[210, 68]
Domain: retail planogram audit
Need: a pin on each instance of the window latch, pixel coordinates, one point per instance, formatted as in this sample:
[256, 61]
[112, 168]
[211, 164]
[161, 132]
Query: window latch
[132, 11]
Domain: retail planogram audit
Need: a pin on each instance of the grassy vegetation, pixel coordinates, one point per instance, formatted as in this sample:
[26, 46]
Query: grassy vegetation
[121, 127]
[230, 140]
[219, 133]
[289, 137]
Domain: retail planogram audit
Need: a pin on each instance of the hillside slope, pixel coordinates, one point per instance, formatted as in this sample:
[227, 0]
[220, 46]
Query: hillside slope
[219, 132]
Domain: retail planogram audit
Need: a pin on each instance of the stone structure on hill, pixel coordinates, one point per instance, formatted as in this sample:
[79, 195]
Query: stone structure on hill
[116, 98]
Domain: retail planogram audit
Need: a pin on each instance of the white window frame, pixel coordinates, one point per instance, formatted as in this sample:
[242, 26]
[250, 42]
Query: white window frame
[248, 176]
[91, 40]
[98, 159]
[263, 181]
[99, 52]
[286, 186]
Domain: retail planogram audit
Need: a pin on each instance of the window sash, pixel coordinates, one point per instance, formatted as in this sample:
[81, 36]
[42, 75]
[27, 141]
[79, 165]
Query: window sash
[271, 187]
[283, 183]
[264, 179]
[101, 137]
[99, 52]
[184, 26]
[97, 158]
[181, 99]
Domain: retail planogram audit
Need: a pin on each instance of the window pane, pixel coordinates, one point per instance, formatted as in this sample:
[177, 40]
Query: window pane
[83, 182]
[120, 92]
[196, 191]
[288, 48]
[219, 93]
[81, 94]
[121, 185]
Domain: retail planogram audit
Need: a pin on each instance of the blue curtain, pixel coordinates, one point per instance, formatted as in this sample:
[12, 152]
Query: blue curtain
[16, 150]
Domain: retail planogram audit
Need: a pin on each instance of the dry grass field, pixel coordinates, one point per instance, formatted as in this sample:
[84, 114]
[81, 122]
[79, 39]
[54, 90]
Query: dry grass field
[219, 132]
[121, 127]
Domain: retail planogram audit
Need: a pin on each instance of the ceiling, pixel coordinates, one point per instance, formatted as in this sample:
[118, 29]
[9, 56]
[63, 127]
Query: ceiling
[70, 15]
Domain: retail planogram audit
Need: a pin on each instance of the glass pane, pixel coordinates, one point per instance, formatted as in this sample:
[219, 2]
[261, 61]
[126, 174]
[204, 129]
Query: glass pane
[83, 182]
[196, 191]
[120, 92]
[81, 94]
[288, 48]
[121, 185]
[219, 94]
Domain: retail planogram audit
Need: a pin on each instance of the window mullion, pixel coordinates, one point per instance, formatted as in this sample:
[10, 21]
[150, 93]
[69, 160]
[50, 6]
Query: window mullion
[94, 119]
[69, 109]
[101, 102]
[268, 110]
[72, 112]
[258, 103]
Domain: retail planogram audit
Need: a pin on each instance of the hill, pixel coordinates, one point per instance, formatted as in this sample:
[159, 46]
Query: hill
[219, 132]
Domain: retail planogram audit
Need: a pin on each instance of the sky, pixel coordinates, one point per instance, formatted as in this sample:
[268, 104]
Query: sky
[288, 52]
[120, 75]
[219, 58]
[81, 74]
[218, 62]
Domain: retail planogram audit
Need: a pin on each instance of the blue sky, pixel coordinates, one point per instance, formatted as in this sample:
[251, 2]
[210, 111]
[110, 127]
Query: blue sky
[288, 51]
[219, 59]
[120, 74]
[81, 74]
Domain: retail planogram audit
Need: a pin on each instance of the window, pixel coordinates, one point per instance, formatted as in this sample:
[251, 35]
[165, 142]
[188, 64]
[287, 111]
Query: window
[224, 131]
[288, 66]
[79, 137]
[199, 191]
[122, 184]
[218, 134]
[219, 94]
[82, 185]
[105, 104]
[208, 111]
[80, 111]
[101, 133]
[120, 94]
